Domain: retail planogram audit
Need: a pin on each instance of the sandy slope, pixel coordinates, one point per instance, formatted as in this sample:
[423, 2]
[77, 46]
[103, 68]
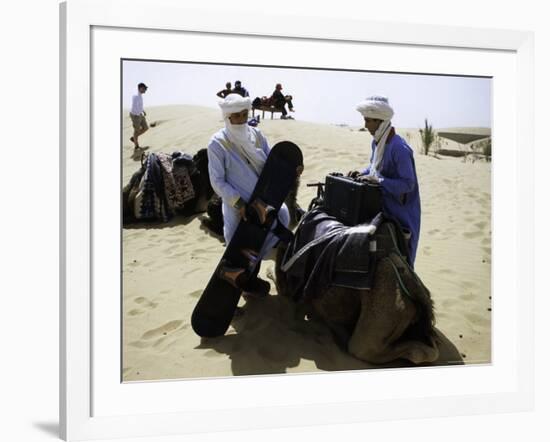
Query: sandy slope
[166, 266]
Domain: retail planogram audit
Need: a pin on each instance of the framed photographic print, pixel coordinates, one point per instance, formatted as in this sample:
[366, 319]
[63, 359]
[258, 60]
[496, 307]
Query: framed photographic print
[358, 320]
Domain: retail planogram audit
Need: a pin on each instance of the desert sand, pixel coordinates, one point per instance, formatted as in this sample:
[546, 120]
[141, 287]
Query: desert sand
[166, 266]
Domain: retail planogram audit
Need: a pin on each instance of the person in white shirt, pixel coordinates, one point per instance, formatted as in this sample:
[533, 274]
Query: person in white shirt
[137, 114]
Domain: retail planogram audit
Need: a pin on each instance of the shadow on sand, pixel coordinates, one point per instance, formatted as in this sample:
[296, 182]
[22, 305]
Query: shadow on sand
[178, 220]
[265, 327]
[210, 231]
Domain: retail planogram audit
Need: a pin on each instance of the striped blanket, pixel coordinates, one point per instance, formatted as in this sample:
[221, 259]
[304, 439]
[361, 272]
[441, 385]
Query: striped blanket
[160, 188]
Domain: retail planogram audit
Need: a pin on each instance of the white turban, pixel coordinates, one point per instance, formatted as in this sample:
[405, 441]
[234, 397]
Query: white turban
[377, 107]
[242, 138]
[234, 103]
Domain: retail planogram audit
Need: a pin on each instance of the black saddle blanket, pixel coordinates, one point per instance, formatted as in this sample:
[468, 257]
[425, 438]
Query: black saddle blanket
[325, 253]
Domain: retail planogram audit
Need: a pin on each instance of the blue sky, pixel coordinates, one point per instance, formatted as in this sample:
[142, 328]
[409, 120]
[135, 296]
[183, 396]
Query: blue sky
[319, 96]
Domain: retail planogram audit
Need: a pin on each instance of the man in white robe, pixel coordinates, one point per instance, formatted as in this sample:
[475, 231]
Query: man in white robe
[236, 156]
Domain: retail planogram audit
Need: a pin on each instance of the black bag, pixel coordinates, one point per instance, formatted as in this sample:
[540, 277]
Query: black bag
[350, 201]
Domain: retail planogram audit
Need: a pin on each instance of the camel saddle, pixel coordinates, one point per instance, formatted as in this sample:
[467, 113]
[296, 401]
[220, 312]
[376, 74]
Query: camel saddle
[325, 252]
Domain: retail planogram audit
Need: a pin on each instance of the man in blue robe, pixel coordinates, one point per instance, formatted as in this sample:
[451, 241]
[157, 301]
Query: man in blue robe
[392, 166]
[236, 156]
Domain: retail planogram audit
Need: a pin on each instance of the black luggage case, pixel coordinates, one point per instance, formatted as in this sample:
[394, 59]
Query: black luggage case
[350, 201]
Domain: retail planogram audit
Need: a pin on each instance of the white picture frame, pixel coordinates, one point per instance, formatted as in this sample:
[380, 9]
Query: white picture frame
[79, 416]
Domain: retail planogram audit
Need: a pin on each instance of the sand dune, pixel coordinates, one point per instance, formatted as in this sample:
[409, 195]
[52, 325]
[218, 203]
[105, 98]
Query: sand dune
[166, 266]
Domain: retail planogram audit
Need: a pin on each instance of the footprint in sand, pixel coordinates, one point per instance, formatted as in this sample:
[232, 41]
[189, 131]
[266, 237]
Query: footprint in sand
[471, 235]
[448, 304]
[149, 263]
[145, 303]
[189, 272]
[171, 248]
[159, 342]
[482, 200]
[476, 319]
[158, 336]
[163, 330]
[467, 284]
[467, 297]
[135, 312]
[139, 344]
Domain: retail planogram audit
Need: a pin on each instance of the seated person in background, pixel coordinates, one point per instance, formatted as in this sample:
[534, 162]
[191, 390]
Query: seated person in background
[225, 92]
[392, 166]
[279, 101]
[261, 102]
[238, 89]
